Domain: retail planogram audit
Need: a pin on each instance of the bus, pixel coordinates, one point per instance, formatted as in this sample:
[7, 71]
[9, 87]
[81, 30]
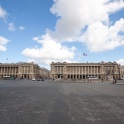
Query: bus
[7, 77]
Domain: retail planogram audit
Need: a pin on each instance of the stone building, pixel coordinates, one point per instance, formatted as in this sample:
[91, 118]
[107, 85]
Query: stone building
[22, 70]
[101, 70]
[44, 73]
[122, 72]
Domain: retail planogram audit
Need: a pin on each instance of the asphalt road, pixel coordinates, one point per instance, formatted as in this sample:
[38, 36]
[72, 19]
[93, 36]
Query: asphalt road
[48, 102]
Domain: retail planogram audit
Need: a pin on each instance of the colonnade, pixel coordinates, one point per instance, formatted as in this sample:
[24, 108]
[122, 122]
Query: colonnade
[8, 70]
[76, 72]
[83, 70]
[22, 70]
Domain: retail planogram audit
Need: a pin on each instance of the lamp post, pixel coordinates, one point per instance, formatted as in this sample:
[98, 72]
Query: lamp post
[114, 78]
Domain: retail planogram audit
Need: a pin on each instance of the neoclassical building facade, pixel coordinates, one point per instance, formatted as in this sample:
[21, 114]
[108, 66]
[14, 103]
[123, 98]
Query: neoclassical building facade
[22, 70]
[122, 72]
[102, 70]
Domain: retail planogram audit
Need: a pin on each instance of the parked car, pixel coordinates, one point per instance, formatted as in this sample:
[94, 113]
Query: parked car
[121, 79]
[38, 79]
[42, 79]
[33, 79]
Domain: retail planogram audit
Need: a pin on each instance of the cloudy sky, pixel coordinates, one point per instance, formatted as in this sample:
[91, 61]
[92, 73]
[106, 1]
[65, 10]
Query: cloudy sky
[45, 31]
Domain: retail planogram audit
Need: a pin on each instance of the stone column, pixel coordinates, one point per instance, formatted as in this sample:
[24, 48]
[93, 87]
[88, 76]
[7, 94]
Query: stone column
[60, 70]
[83, 72]
[94, 70]
[97, 70]
[13, 70]
[88, 70]
[76, 70]
[9, 70]
[4, 70]
[91, 70]
[75, 76]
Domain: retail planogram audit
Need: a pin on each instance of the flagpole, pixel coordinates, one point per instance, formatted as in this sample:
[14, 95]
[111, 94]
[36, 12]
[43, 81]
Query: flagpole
[6, 60]
[84, 54]
[83, 59]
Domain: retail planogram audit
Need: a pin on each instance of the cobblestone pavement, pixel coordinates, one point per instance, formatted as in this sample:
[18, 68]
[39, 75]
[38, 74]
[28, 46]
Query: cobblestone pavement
[52, 102]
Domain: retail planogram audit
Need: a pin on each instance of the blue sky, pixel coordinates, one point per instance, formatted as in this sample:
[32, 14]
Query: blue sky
[45, 31]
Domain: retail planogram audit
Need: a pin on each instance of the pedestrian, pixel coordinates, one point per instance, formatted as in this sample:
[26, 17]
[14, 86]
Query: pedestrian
[114, 80]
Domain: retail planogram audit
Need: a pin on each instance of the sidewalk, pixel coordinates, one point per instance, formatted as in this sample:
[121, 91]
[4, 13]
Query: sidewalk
[90, 81]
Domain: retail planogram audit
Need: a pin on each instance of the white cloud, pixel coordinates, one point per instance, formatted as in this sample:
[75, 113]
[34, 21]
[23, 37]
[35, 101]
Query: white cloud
[3, 13]
[74, 15]
[2, 48]
[120, 61]
[11, 27]
[3, 42]
[50, 50]
[84, 21]
[21, 28]
[100, 37]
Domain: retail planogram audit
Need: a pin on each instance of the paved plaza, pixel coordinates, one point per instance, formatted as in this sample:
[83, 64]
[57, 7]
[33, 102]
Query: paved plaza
[57, 102]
